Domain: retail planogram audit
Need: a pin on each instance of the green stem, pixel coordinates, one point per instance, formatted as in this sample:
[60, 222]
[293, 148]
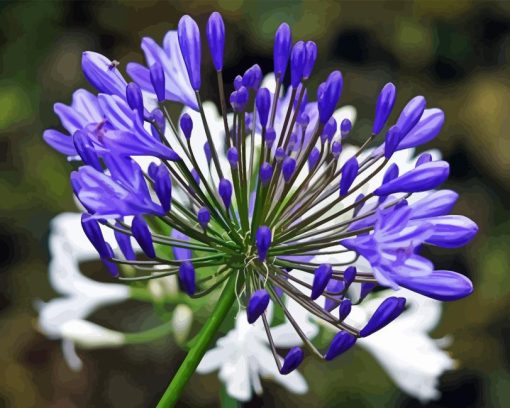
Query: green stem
[200, 345]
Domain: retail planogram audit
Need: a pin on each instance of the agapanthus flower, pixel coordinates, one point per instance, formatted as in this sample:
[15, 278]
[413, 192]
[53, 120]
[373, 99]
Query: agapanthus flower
[261, 191]
[66, 317]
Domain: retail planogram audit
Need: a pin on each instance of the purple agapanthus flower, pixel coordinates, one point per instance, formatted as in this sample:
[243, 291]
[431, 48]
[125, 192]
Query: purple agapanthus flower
[270, 187]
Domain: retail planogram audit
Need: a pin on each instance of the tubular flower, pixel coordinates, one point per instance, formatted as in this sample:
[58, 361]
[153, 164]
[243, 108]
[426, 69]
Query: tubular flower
[289, 191]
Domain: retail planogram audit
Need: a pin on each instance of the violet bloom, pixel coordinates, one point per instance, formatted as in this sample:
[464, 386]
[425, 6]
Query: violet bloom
[287, 191]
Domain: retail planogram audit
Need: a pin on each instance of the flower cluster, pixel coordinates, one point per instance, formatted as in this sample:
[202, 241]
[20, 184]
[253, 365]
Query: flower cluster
[271, 196]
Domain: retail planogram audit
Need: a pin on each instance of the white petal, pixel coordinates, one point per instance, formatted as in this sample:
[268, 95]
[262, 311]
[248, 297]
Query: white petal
[73, 361]
[57, 312]
[213, 360]
[414, 362]
[235, 375]
[90, 335]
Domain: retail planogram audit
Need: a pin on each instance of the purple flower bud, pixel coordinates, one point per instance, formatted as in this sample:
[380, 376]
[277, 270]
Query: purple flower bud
[384, 106]
[392, 140]
[93, 232]
[322, 275]
[189, 42]
[387, 311]
[85, 149]
[359, 204]
[336, 149]
[225, 191]
[181, 254]
[215, 32]
[124, 242]
[349, 276]
[252, 77]
[158, 117]
[207, 152]
[233, 157]
[411, 114]
[422, 178]
[203, 216]
[281, 51]
[366, 288]
[329, 96]
[334, 286]
[112, 267]
[293, 140]
[297, 63]
[288, 168]
[292, 360]
[248, 121]
[239, 99]
[238, 82]
[311, 57]
[158, 80]
[263, 104]
[263, 240]
[303, 120]
[266, 172]
[270, 137]
[390, 174]
[279, 154]
[257, 305]
[345, 127]
[103, 74]
[134, 98]
[186, 124]
[424, 158]
[163, 186]
[187, 277]
[342, 342]
[329, 130]
[196, 176]
[440, 285]
[304, 101]
[313, 158]
[143, 236]
[344, 309]
[425, 130]
[349, 173]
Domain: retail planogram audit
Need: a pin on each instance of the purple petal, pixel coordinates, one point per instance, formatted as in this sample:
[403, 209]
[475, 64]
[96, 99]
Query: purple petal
[441, 285]
[60, 142]
[103, 74]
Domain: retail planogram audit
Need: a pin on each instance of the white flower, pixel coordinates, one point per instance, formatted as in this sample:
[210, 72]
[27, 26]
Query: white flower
[81, 296]
[412, 359]
[243, 356]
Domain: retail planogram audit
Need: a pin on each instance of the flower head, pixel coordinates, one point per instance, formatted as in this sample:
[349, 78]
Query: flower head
[289, 192]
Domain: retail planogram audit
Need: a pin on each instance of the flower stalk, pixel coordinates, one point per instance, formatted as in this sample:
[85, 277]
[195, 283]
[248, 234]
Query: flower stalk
[200, 345]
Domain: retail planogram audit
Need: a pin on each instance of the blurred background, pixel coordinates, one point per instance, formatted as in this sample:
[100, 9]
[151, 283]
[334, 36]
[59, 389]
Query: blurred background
[455, 52]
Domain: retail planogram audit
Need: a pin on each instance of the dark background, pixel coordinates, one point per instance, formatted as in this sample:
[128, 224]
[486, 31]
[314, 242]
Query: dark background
[456, 53]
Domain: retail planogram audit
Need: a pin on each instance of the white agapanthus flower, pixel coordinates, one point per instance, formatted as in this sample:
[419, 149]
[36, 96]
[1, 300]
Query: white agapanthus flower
[64, 317]
[412, 359]
[243, 355]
